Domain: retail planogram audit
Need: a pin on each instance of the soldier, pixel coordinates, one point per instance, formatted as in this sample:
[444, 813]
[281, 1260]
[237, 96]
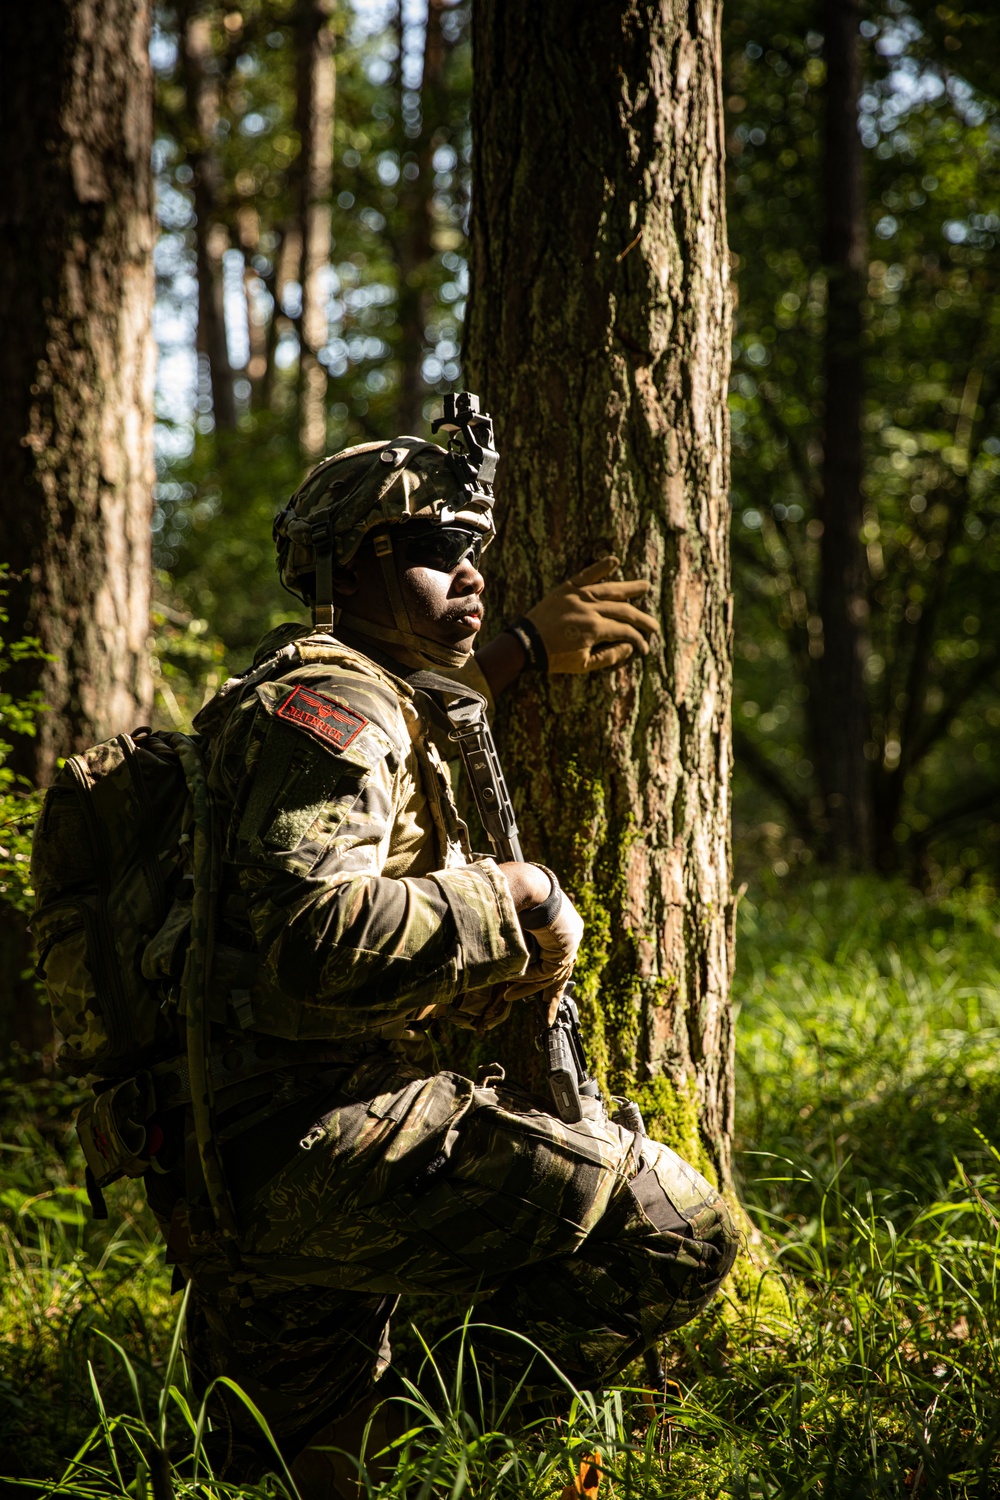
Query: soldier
[350, 894]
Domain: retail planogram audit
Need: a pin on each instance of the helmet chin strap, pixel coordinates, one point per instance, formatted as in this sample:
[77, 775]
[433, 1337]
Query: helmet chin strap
[411, 649]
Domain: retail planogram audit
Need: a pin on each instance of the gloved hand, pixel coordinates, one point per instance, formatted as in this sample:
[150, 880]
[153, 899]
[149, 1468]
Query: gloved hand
[555, 947]
[585, 624]
[478, 1010]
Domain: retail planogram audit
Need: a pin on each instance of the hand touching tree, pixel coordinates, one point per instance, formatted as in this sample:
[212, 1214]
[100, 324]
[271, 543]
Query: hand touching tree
[584, 625]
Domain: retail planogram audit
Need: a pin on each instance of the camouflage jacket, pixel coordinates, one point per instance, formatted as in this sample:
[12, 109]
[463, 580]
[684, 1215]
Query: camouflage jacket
[346, 864]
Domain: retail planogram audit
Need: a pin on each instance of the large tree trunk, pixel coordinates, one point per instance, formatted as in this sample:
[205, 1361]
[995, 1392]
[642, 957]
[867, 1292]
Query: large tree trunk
[77, 361]
[316, 79]
[599, 335]
[76, 386]
[845, 776]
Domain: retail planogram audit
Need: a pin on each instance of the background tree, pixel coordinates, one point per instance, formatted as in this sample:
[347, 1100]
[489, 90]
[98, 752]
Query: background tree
[392, 285]
[315, 92]
[76, 292]
[422, 113]
[76, 372]
[200, 68]
[913, 378]
[599, 335]
[921, 155]
[843, 605]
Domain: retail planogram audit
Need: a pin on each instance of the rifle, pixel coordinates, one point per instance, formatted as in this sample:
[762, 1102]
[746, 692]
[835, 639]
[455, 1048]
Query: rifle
[569, 1076]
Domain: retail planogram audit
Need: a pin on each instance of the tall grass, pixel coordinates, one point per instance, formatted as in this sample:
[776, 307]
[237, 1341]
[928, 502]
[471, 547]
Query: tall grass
[858, 1359]
[66, 1281]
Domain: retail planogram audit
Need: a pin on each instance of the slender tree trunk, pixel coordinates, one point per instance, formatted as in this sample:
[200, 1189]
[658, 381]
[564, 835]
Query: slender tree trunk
[198, 71]
[76, 383]
[315, 97]
[414, 247]
[599, 335]
[843, 605]
[201, 87]
[285, 259]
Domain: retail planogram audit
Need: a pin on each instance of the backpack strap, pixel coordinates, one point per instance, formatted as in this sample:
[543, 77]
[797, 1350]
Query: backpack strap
[194, 984]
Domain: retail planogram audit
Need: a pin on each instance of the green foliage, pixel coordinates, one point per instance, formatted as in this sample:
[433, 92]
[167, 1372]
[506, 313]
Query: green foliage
[870, 1017]
[932, 413]
[218, 491]
[213, 533]
[856, 1355]
[670, 1114]
[18, 800]
[932, 454]
[67, 1281]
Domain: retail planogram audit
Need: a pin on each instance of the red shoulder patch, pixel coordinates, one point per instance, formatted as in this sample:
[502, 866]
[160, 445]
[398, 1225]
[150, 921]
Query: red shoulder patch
[335, 725]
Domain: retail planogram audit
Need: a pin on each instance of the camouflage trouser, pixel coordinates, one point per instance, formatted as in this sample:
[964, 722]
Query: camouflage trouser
[587, 1239]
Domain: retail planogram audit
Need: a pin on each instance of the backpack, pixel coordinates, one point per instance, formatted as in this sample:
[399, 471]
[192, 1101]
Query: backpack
[107, 860]
[124, 868]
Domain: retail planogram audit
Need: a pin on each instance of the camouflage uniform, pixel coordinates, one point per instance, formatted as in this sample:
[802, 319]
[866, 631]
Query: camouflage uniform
[357, 1177]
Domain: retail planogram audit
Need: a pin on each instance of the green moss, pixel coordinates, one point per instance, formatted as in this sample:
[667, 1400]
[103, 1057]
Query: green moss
[608, 991]
[757, 1297]
[670, 1112]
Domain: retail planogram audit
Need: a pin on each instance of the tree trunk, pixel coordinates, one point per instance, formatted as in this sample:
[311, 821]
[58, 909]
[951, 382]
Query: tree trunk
[598, 335]
[76, 377]
[198, 71]
[414, 246]
[316, 81]
[843, 604]
[77, 362]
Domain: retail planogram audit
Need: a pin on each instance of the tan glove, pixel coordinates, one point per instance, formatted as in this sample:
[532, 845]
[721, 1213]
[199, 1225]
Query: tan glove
[556, 947]
[479, 1010]
[586, 624]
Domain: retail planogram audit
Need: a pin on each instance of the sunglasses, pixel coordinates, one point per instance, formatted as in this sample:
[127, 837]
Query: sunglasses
[442, 547]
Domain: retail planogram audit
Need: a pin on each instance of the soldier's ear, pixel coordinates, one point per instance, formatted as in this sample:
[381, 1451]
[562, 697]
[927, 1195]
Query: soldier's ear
[345, 581]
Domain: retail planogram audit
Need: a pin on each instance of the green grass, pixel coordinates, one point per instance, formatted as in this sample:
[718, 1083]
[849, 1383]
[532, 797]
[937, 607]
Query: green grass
[860, 1357]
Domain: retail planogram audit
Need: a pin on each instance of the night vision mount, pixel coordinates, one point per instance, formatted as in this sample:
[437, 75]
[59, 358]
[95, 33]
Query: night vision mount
[470, 444]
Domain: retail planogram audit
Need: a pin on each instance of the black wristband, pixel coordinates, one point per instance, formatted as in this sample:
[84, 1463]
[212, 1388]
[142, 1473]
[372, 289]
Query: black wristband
[545, 912]
[526, 634]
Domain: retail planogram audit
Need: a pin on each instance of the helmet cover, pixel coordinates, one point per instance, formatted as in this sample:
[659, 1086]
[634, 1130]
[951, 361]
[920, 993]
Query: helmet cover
[368, 487]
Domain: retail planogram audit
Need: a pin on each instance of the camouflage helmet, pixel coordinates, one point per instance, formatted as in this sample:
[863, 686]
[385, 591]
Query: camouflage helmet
[380, 484]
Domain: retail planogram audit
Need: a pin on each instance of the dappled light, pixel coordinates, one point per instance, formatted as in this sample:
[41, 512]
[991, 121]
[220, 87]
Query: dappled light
[666, 1131]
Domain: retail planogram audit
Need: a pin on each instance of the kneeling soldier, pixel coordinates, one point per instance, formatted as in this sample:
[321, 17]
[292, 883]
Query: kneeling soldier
[352, 911]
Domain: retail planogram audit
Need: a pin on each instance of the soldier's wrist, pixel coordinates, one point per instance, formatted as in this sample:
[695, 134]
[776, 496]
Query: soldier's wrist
[526, 633]
[544, 912]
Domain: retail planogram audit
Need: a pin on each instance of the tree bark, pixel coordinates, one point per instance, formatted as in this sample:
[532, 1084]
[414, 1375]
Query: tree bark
[599, 335]
[414, 246]
[77, 362]
[844, 773]
[316, 81]
[198, 71]
[76, 379]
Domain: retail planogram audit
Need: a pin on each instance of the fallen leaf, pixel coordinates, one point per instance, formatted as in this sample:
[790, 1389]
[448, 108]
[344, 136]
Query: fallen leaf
[587, 1481]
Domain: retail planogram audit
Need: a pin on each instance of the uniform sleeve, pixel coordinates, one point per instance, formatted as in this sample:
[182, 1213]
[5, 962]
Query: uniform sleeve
[314, 808]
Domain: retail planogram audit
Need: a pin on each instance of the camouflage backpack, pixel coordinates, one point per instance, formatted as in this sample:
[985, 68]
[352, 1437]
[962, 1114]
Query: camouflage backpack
[107, 860]
[124, 868]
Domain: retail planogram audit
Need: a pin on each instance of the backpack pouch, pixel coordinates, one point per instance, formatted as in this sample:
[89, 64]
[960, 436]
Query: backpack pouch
[112, 1130]
[65, 936]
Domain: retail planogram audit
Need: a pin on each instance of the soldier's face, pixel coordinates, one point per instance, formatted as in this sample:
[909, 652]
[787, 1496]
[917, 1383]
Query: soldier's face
[444, 606]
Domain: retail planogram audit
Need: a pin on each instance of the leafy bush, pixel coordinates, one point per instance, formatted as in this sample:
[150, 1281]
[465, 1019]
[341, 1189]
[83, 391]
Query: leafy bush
[18, 799]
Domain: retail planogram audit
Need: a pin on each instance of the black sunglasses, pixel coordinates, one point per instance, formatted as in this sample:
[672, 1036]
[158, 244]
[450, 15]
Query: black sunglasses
[441, 547]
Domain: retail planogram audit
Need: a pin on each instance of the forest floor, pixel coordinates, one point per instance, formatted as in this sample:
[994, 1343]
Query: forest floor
[862, 1361]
